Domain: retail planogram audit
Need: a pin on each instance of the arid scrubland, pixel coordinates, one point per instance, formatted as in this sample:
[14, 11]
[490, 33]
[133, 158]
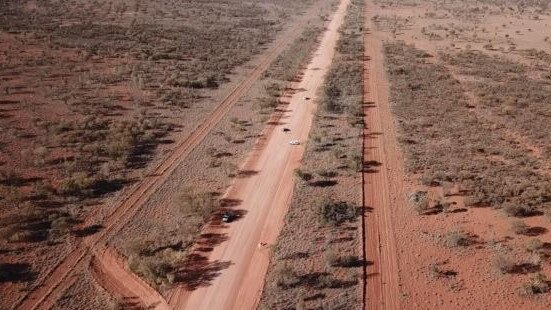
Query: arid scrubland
[317, 260]
[161, 257]
[93, 94]
[469, 90]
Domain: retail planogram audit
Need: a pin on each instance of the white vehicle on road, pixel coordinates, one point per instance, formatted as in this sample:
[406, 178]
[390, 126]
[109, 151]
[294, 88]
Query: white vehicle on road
[294, 142]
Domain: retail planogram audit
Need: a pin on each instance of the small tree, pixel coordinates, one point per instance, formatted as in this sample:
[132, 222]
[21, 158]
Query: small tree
[534, 245]
[331, 258]
[336, 213]
[504, 264]
[58, 228]
[457, 239]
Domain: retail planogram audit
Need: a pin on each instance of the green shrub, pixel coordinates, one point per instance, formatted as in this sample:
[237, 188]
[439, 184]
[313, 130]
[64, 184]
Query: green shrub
[302, 175]
[75, 185]
[504, 264]
[326, 173]
[534, 245]
[8, 177]
[331, 258]
[335, 213]
[155, 269]
[420, 201]
[513, 209]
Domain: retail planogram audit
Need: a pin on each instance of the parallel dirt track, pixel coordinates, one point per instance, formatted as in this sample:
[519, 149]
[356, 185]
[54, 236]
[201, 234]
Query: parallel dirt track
[238, 264]
[382, 179]
[108, 268]
[62, 276]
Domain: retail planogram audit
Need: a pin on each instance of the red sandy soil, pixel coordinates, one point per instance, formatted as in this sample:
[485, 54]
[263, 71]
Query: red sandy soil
[109, 269]
[169, 190]
[383, 188]
[30, 85]
[231, 273]
[400, 243]
[62, 276]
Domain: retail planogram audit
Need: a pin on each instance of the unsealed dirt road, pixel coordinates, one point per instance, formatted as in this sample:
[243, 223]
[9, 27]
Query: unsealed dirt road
[65, 273]
[262, 193]
[383, 187]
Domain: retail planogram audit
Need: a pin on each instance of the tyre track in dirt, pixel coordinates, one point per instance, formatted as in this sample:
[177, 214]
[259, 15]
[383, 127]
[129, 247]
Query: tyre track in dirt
[62, 276]
[486, 116]
[108, 269]
[239, 263]
[382, 178]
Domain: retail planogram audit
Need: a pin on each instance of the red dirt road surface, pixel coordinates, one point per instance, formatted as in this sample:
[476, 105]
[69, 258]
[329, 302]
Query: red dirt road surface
[231, 273]
[383, 186]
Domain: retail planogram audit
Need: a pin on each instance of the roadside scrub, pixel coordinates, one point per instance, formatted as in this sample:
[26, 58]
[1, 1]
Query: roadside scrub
[448, 143]
[444, 142]
[156, 259]
[284, 70]
[324, 262]
[159, 258]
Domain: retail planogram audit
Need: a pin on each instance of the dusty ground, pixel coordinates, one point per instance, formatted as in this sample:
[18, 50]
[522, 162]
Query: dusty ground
[117, 87]
[383, 181]
[444, 274]
[317, 258]
[53, 80]
[198, 171]
[232, 276]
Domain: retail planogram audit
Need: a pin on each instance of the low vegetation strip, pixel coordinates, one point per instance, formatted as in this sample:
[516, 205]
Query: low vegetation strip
[156, 257]
[516, 94]
[322, 267]
[285, 69]
[93, 92]
[156, 62]
[447, 144]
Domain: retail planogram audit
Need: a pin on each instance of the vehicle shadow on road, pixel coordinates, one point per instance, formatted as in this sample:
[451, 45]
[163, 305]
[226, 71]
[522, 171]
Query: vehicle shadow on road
[199, 271]
[370, 166]
[242, 174]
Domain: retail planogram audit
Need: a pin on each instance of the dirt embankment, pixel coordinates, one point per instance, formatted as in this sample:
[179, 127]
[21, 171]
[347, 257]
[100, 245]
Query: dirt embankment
[110, 270]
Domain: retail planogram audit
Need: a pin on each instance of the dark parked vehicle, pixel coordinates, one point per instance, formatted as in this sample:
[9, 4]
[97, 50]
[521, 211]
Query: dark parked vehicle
[286, 129]
[228, 217]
